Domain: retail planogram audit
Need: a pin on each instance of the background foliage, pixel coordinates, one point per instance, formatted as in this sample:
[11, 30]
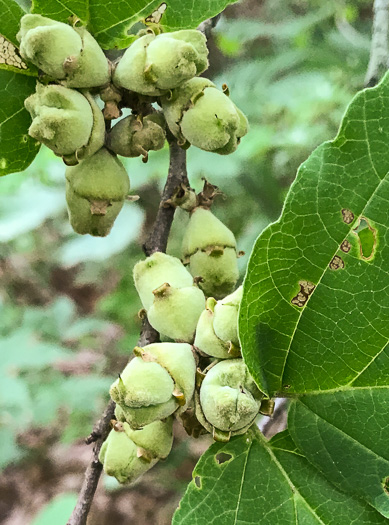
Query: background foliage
[68, 307]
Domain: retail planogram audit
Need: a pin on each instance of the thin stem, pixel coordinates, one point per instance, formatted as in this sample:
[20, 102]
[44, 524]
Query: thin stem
[156, 242]
[379, 53]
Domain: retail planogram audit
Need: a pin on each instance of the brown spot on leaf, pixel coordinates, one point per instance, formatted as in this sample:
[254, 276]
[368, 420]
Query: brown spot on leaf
[306, 288]
[337, 263]
[348, 216]
[345, 246]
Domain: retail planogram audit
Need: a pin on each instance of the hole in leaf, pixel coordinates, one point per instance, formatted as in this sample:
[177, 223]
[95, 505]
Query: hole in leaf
[197, 481]
[367, 237]
[222, 457]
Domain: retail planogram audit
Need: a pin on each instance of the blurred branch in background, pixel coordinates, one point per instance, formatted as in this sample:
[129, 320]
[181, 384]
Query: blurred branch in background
[379, 54]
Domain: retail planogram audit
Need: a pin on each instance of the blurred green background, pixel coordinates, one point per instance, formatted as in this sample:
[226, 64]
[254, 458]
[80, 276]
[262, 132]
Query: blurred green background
[68, 307]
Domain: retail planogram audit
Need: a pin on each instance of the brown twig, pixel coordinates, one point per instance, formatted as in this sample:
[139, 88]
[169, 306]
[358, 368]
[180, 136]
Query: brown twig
[156, 242]
[379, 53]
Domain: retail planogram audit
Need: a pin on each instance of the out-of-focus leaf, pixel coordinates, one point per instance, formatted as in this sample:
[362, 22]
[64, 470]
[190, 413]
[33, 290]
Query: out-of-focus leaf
[23, 350]
[57, 511]
[87, 248]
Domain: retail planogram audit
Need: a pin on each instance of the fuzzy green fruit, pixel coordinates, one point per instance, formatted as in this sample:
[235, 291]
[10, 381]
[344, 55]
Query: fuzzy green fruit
[175, 311]
[153, 64]
[218, 269]
[63, 52]
[156, 270]
[229, 401]
[205, 229]
[95, 193]
[131, 137]
[207, 341]
[66, 121]
[127, 454]
[198, 113]
[178, 100]
[210, 248]
[156, 383]
[225, 321]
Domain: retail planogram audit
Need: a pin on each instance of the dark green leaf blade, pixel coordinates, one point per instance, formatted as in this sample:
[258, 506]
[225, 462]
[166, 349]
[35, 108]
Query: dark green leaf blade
[344, 435]
[11, 13]
[17, 148]
[308, 318]
[62, 10]
[110, 27]
[266, 483]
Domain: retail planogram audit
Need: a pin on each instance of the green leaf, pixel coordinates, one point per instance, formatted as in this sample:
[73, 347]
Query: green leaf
[57, 510]
[314, 310]
[111, 27]
[345, 435]
[11, 13]
[17, 148]
[250, 481]
[62, 10]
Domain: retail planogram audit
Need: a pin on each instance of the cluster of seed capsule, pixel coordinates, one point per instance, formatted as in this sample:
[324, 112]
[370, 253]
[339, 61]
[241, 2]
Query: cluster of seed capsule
[157, 69]
[196, 373]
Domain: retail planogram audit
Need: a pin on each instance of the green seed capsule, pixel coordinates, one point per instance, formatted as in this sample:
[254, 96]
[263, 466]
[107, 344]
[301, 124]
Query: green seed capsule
[175, 311]
[156, 270]
[225, 321]
[127, 454]
[197, 113]
[204, 230]
[210, 248]
[65, 120]
[95, 193]
[153, 64]
[156, 383]
[207, 341]
[131, 137]
[64, 53]
[229, 400]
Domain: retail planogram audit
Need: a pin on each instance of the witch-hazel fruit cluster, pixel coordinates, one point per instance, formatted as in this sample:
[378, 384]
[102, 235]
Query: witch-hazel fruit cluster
[197, 374]
[158, 69]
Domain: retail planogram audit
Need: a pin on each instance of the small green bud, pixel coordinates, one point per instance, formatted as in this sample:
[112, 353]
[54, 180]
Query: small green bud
[207, 341]
[95, 193]
[156, 270]
[225, 321]
[153, 64]
[127, 454]
[229, 400]
[66, 121]
[132, 137]
[175, 311]
[156, 383]
[205, 117]
[63, 52]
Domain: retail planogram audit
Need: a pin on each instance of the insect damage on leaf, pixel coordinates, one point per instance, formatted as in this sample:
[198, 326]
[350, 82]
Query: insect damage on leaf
[223, 457]
[306, 288]
[9, 55]
[347, 215]
[156, 15]
[345, 246]
[367, 238]
[337, 263]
